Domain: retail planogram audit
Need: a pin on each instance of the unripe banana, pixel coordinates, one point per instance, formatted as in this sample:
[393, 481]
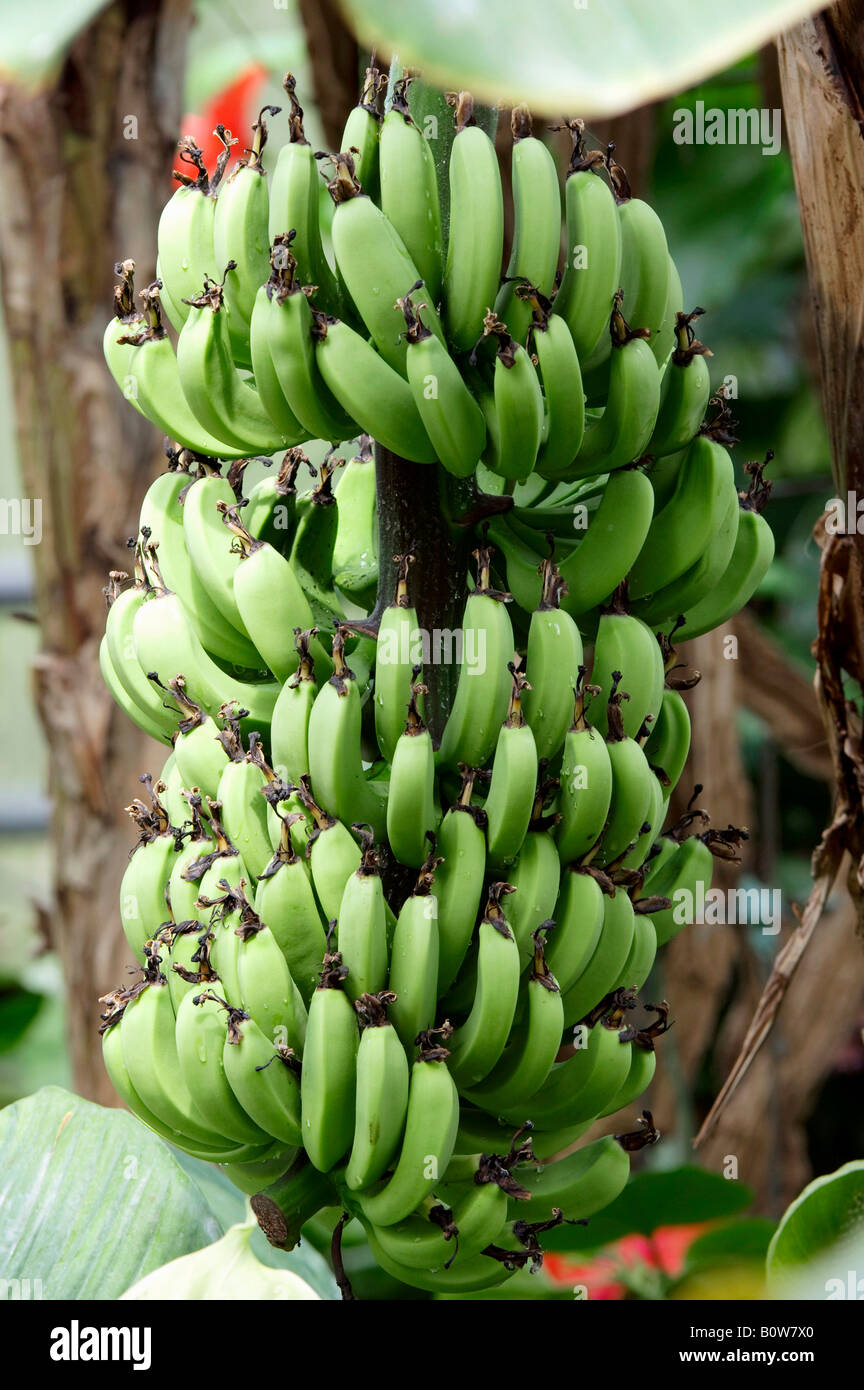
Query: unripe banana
[184, 239]
[329, 1076]
[362, 930]
[561, 378]
[644, 259]
[244, 809]
[199, 750]
[606, 962]
[586, 786]
[458, 884]
[686, 388]
[267, 991]
[263, 1078]
[621, 433]
[335, 757]
[536, 223]
[363, 130]
[431, 1123]
[514, 411]
[579, 914]
[632, 779]
[409, 189]
[510, 801]
[398, 652]
[159, 715]
[669, 743]
[476, 233]
[143, 901]
[477, 1045]
[285, 900]
[592, 268]
[627, 645]
[333, 855]
[552, 663]
[483, 691]
[200, 1034]
[295, 206]
[581, 1184]
[240, 233]
[382, 1094]
[355, 550]
[412, 812]
[451, 416]
[413, 978]
[534, 879]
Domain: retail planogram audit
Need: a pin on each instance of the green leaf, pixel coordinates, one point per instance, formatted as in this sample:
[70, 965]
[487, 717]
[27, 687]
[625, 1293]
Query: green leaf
[18, 1008]
[743, 1241]
[821, 1234]
[34, 42]
[678, 1197]
[91, 1200]
[588, 57]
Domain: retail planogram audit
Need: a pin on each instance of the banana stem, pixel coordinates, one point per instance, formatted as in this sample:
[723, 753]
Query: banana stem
[284, 1207]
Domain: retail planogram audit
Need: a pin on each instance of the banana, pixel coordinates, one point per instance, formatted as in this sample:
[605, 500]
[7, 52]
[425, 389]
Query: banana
[536, 223]
[611, 544]
[362, 131]
[295, 205]
[311, 555]
[669, 743]
[143, 901]
[510, 800]
[438, 1237]
[552, 662]
[586, 785]
[477, 1273]
[184, 238]
[561, 379]
[398, 652]
[167, 644]
[375, 265]
[431, 1123]
[643, 1064]
[285, 900]
[686, 388]
[579, 1185]
[458, 884]
[267, 991]
[263, 1078]
[271, 507]
[381, 1100]
[578, 1088]
[751, 557]
[683, 528]
[592, 268]
[283, 328]
[535, 880]
[409, 189]
[160, 714]
[328, 1080]
[289, 733]
[451, 416]
[125, 324]
[199, 748]
[579, 914]
[476, 234]
[362, 930]
[477, 1045]
[607, 960]
[244, 809]
[533, 1047]
[187, 943]
[412, 814]
[118, 1074]
[644, 259]
[168, 564]
[270, 598]
[483, 690]
[681, 879]
[514, 410]
[211, 545]
[264, 371]
[651, 826]
[371, 391]
[355, 549]
[181, 890]
[222, 905]
[200, 1036]
[620, 434]
[152, 376]
[664, 344]
[627, 645]
[640, 961]
[171, 791]
[219, 397]
[701, 578]
[413, 975]
[121, 696]
[335, 760]
[240, 233]
[333, 855]
[631, 804]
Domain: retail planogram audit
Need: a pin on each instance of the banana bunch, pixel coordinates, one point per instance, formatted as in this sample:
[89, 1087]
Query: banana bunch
[376, 967]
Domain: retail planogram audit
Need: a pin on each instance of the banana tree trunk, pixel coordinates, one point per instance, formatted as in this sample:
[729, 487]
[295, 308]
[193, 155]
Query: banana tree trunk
[84, 167]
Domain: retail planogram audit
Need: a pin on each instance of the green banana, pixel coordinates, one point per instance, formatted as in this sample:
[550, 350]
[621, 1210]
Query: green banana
[700, 579]
[126, 324]
[458, 884]
[333, 854]
[640, 961]
[579, 914]
[431, 1123]
[240, 233]
[200, 750]
[625, 644]
[533, 1047]
[285, 900]
[681, 879]
[200, 1035]
[439, 1237]
[375, 265]
[476, 233]
[381, 1102]
[409, 189]
[295, 205]
[398, 653]
[451, 416]
[686, 388]
[181, 889]
[184, 237]
[631, 804]
[579, 1185]
[335, 760]
[263, 1077]
[244, 808]
[621, 433]
[510, 800]
[669, 742]
[412, 814]
[643, 1064]
[561, 379]
[611, 544]
[223, 906]
[362, 930]
[586, 785]
[607, 960]
[682, 529]
[211, 546]
[483, 690]
[289, 734]
[578, 1088]
[362, 131]
[141, 693]
[121, 696]
[536, 223]
[477, 1045]
[514, 409]
[644, 259]
[535, 879]
[552, 662]
[267, 990]
[592, 268]
[328, 1080]
[473, 1275]
[413, 978]
[355, 549]
[143, 902]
